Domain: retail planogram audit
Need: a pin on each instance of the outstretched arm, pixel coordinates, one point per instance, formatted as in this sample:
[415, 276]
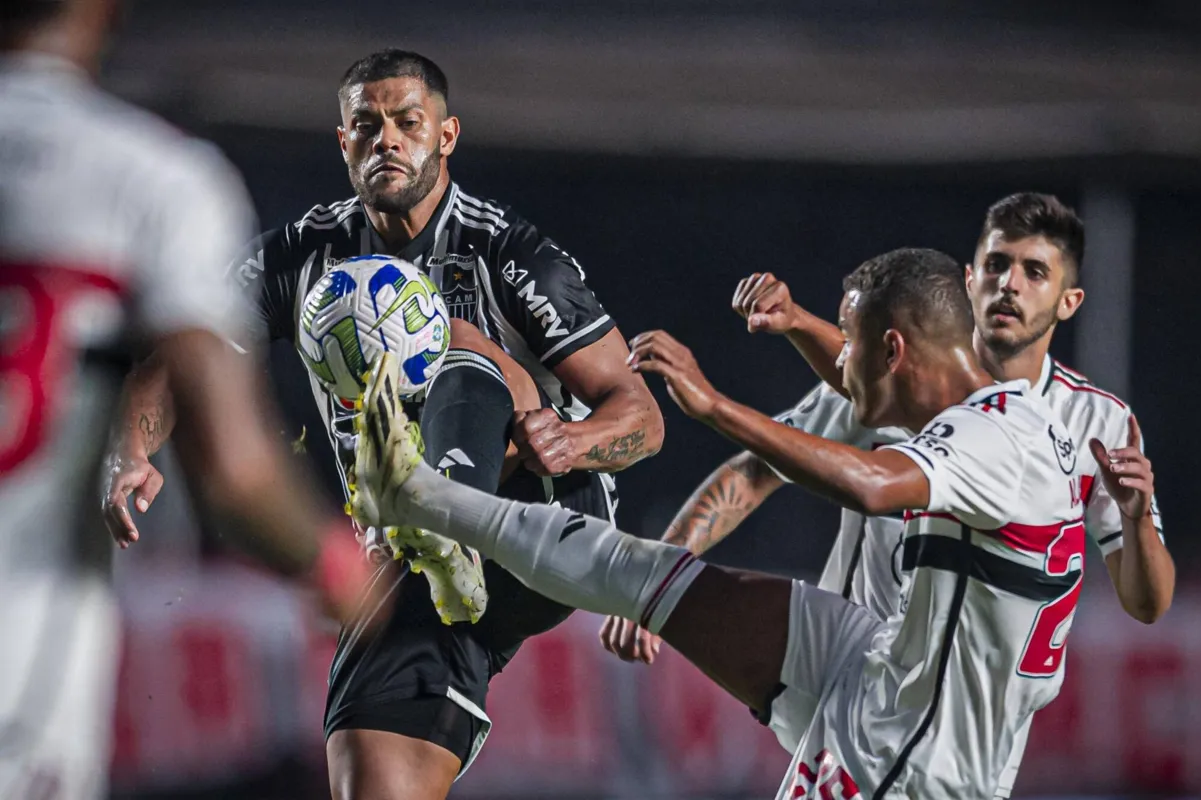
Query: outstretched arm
[875, 483]
[766, 304]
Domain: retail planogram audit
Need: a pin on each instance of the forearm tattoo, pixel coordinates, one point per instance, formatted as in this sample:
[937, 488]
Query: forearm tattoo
[620, 450]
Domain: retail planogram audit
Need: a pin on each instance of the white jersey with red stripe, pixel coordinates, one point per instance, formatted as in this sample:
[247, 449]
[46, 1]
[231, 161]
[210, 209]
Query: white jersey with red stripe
[932, 702]
[864, 564]
[113, 228]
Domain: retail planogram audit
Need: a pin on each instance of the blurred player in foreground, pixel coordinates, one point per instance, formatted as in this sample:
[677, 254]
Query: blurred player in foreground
[1024, 281]
[405, 712]
[927, 703]
[115, 232]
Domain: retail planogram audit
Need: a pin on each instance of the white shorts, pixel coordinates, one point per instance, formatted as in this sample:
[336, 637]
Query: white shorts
[826, 634]
[61, 637]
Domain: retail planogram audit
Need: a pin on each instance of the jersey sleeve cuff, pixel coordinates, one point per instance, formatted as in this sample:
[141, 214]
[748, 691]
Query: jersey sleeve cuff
[589, 334]
[925, 464]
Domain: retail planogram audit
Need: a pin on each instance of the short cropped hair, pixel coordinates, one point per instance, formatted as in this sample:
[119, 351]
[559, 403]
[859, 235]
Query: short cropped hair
[1032, 214]
[914, 289]
[394, 63]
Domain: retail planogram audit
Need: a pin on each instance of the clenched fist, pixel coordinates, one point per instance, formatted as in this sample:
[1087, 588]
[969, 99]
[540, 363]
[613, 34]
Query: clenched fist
[544, 442]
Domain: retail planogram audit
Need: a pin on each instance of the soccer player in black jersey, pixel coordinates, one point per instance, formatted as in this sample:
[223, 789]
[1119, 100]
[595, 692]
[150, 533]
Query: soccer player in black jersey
[405, 711]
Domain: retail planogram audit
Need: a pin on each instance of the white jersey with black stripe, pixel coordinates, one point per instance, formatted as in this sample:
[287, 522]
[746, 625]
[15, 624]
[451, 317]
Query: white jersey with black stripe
[991, 572]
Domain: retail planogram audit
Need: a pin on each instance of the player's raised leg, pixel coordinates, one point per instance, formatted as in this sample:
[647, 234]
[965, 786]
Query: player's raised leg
[734, 625]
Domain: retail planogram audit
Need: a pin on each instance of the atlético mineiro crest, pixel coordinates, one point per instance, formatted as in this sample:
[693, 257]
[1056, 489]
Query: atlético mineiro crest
[459, 286]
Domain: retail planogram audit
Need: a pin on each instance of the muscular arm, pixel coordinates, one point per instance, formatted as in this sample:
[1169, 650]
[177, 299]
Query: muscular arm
[1142, 572]
[873, 483]
[720, 504]
[625, 425]
[819, 342]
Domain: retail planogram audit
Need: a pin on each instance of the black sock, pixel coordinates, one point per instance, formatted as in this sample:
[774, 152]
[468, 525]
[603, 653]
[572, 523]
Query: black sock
[467, 419]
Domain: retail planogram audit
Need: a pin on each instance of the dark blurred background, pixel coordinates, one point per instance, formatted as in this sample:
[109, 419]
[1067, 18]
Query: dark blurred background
[674, 147]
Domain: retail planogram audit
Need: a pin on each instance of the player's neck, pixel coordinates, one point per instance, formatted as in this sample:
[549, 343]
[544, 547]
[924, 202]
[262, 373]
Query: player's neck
[397, 230]
[949, 378]
[1025, 364]
[67, 39]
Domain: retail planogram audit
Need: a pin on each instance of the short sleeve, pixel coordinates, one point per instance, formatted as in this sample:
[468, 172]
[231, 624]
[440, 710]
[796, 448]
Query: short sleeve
[1102, 517]
[974, 466]
[267, 274]
[198, 216]
[825, 413]
[542, 293]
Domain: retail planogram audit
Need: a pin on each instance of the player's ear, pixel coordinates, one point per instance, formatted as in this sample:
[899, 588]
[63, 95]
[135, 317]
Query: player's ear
[1069, 303]
[449, 136]
[894, 349]
[967, 276]
[342, 144]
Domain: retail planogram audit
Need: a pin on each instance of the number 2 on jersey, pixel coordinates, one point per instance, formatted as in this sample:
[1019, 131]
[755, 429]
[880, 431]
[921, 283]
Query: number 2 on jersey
[1045, 644]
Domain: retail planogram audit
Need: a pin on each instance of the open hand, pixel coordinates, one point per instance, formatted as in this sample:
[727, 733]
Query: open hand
[1127, 473]
[658, 353]
[128, 475]
[628, 641]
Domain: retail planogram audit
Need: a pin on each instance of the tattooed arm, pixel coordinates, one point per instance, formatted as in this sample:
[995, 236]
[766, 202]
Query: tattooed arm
[625, 425]
[722, 502]
[144, 422]
[715, 509]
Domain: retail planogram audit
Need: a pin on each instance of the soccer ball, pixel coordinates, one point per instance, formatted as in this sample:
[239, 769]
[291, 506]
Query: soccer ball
[364, 307]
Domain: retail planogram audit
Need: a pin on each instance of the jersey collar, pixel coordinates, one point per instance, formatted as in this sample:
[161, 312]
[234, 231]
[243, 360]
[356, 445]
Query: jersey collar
[423, 242]
[1044, 377]
[1020, 386]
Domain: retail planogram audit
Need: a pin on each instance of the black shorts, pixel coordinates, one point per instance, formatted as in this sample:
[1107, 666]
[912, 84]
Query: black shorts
[383, 682]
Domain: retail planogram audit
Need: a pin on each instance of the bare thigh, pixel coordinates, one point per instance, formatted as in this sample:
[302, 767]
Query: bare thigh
[466, 336]
[377, 765]
[733, 625]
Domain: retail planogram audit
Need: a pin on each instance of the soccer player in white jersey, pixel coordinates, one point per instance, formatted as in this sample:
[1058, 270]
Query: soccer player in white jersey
[925, 704]
[1023, 281]
[115, 232]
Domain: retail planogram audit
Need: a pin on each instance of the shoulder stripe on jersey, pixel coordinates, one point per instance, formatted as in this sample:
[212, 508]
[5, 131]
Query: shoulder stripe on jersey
[1066, 380]
[482, 205]
[960, 549]
[587, 329]
[1071, 373]
[478, 214]
[472, 222]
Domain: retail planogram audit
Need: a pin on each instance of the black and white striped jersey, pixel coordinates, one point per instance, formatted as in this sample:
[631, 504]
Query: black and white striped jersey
[494, 269]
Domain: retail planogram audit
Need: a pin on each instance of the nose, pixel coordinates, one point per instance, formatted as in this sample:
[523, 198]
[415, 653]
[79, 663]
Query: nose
[1012, 281]
[389, 138]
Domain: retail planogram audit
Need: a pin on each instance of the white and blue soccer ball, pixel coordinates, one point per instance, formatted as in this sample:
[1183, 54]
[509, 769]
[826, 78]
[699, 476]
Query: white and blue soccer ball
[364, 307]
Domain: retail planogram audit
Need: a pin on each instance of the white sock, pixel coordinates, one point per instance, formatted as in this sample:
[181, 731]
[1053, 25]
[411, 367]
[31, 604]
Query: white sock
[573, 559]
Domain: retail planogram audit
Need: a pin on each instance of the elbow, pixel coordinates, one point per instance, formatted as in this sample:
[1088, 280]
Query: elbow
[1148, 613]
[655, 430]
[871, 502]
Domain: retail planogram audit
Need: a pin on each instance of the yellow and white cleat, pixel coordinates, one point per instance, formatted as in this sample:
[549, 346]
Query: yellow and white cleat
[455, 573]
[388, 451]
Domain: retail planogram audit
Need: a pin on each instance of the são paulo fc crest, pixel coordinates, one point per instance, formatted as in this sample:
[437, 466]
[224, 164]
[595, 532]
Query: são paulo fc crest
[459, 285]
[1065, 450]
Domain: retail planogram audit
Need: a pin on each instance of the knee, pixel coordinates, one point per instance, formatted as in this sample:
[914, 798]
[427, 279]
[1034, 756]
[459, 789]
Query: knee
[465, 336]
